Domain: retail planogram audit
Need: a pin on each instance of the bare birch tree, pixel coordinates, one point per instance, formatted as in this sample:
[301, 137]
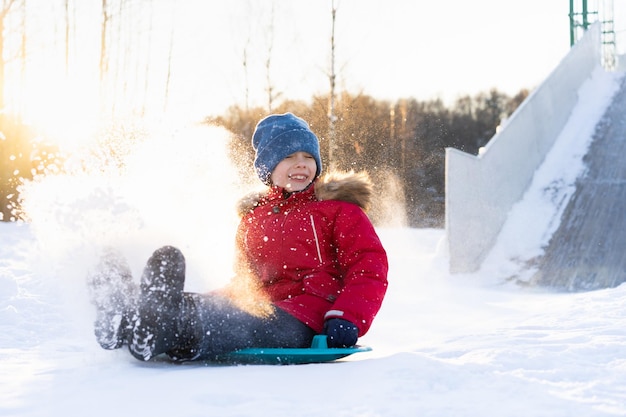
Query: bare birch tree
[4, 11]
[246, 75]
[268, 62]
[332, 118]
[66, 9]
[168, 77]
[146, 74]
[106, 17]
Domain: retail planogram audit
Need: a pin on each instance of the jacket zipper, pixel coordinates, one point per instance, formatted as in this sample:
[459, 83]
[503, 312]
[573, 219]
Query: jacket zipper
[317, 243]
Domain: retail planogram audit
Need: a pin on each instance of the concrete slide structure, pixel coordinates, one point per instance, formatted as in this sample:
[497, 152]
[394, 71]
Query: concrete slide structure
[480, 190]
[588, 250]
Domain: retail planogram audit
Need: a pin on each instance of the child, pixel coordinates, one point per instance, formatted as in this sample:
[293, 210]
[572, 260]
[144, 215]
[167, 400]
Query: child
[308, 261]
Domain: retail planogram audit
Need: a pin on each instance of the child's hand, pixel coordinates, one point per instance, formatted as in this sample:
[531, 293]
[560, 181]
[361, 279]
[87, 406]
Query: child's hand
[341, 333]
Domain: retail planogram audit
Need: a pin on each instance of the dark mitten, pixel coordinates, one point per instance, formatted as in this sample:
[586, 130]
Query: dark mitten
[341, 333]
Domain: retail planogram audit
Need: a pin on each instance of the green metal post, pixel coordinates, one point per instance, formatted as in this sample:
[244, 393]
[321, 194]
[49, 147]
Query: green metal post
[572, 24]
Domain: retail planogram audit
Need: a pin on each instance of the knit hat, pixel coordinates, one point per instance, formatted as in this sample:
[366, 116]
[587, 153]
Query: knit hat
[278, 136]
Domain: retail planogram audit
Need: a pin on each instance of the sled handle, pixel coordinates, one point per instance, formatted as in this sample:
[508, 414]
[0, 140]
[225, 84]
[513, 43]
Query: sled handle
[320, 341]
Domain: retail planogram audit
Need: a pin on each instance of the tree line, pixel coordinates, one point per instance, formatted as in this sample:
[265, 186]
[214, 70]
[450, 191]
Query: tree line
[401, 144]
[402, 141]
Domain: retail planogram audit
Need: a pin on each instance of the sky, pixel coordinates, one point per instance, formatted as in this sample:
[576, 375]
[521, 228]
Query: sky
[392, 49]
[396, 49]
[443, 345]
[389, 49]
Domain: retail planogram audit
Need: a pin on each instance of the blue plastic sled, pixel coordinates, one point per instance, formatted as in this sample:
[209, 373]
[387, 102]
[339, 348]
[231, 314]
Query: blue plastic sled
[318, 352]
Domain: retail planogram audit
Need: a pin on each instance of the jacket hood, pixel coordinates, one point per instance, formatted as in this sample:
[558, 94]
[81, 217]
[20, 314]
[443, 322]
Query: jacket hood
[350, 187]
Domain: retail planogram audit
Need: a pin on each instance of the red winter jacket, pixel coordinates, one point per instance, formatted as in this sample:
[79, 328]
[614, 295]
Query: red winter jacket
[315, 253]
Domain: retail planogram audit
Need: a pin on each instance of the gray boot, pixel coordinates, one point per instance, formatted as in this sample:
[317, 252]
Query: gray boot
[113, 293]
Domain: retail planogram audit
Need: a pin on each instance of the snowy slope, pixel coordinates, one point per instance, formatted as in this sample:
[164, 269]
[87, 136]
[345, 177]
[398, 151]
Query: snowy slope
[442, 347]
[461, 345]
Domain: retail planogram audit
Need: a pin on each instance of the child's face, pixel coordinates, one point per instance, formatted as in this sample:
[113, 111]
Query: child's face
[295, 172]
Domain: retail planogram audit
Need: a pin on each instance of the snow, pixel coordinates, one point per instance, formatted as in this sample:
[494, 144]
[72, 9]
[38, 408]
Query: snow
[443, 345]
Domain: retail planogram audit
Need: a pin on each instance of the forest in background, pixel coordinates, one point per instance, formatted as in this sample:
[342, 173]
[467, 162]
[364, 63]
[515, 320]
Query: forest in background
[400, 144]
[56, 54]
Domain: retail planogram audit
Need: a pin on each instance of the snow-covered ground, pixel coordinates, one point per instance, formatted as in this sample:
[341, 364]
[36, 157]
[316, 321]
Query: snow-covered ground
[443, 345]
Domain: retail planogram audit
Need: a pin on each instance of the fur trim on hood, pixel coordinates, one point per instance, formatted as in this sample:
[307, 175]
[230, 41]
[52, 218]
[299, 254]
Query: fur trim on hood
[351, 187]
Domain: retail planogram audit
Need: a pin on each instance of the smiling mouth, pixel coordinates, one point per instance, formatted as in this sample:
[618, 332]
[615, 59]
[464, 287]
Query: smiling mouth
[298, 177]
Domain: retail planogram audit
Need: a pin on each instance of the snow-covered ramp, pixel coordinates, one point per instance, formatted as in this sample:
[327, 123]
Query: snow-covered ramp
[588, 250]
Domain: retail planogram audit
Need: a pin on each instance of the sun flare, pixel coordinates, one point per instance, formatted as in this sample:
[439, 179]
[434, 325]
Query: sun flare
[65, 113]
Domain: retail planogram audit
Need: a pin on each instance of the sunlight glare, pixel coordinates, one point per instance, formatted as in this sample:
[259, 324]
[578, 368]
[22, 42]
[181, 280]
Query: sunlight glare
[66, 113]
